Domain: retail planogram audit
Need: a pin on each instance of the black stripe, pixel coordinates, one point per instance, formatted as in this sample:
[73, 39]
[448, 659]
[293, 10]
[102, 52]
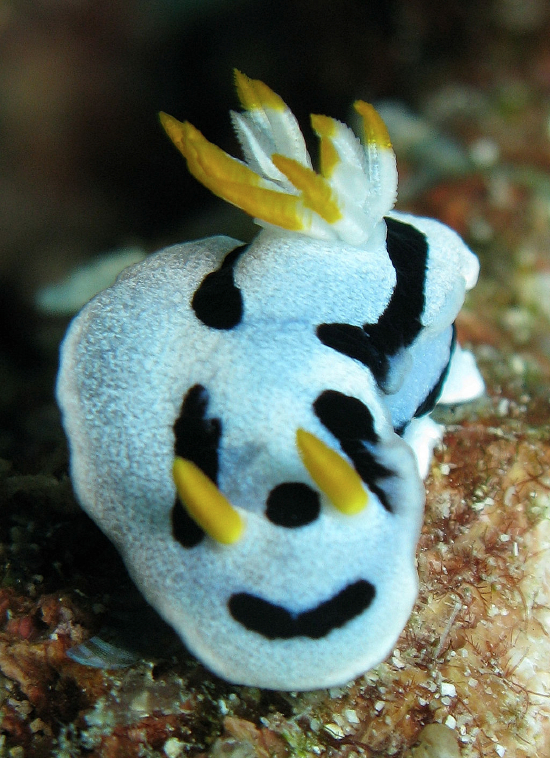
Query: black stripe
[372, 473]
[186, 531]
[346, 417]
[197, 439]
[275, 622]
[218, 302]
[351, 422]
[353, 342]
[400, 323]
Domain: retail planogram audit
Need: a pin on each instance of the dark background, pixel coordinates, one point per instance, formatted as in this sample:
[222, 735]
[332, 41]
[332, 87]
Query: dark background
[84, 165]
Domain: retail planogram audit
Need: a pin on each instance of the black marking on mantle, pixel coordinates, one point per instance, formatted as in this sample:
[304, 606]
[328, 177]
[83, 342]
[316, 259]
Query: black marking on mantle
[275, 622]
[346, 417]
[218, 302]
[293, 504]
[355, 343]
[186, 531]
[197, 439]
[351, 422]
[400, 323]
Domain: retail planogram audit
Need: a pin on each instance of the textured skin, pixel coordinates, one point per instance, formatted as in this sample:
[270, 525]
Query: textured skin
[129, 359]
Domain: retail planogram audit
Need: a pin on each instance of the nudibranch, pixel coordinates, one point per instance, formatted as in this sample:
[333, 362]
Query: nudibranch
[249, 423]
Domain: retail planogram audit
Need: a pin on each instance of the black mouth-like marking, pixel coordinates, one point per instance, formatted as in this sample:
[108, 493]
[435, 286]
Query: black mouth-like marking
[275, 622]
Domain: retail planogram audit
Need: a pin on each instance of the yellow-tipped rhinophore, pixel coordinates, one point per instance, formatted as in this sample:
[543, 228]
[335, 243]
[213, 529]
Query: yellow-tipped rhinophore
[332, 473]
[374, 128]
[206, 504]
[255, 95]
[316, 191]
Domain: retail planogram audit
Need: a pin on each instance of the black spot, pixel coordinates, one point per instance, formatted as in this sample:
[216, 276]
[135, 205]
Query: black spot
[218, 302]
[292, 504]
[275, 622]
[186, 531]
[353, 341]
[432, 397]
[197, 439]
[351, 422]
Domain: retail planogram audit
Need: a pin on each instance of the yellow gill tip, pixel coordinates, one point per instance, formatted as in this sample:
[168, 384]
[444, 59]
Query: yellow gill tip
[182, 133]
[206, 505]
[332, 474]
[323, 126]
[326, 129]
[233, 180]
[374, 128]
[171, 125]
[255, 95]
[165, 118]
[316, 191]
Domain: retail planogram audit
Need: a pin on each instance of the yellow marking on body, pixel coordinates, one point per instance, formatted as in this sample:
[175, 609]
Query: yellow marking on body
[326, 128]
[332, 473]
[316, 191]
[374, 128]
[255, 95]
[206, 505]
[232, 180]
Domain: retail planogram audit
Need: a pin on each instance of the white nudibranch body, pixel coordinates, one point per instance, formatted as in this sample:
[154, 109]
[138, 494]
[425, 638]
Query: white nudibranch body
[249, 423]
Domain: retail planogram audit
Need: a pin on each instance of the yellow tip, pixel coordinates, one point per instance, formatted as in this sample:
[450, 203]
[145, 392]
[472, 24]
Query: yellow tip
[233, 180]
[326, 129]
[374, 128]
[255, 95]
[316, 191]
[173, 128]
[205, 503]
[332, 474]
